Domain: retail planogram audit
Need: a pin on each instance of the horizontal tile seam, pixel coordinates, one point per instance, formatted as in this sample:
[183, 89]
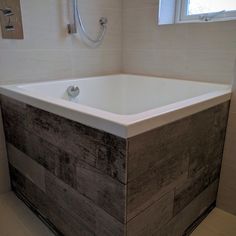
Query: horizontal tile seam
[149, 206]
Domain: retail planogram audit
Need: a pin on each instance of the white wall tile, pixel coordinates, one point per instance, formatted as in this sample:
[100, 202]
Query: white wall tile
[204, 52]
[91, 63]
[33, 65]
[47, 51]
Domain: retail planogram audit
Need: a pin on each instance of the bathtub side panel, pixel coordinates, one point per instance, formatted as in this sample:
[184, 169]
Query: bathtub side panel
[183, 158]
[66, 170]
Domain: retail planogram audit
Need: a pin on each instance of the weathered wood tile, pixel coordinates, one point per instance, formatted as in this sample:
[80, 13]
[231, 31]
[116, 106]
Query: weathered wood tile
[61, 204]
[54, 159]
[144, 188]
[92, 146]
[152, 218]
[68, 222]
[104, 151]
[159, 157]
[14, 119]
[208, 134]
[185, 193]
[187, 134]
[92, 183]
[205, 151]
[103, 190]
[26, 165]
[94, 217]
[15, 109]
[146, 149]
[177, 225]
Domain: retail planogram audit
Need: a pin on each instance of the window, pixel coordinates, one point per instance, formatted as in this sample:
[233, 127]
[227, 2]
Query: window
[183, 11]
[205, 10]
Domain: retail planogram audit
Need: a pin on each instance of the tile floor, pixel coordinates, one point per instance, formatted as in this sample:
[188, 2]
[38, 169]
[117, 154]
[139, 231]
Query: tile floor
[217, 223]
[17, 220]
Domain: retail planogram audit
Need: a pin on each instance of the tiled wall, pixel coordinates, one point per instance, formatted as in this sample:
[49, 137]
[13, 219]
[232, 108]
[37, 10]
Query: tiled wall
[189, 51]
[48, 52]
[227, 190]
[204, 52]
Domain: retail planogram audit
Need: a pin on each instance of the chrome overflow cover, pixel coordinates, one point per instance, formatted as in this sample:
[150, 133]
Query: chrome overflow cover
[73, 91]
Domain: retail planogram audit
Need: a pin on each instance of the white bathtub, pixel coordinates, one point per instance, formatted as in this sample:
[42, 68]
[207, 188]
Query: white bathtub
[124, 105]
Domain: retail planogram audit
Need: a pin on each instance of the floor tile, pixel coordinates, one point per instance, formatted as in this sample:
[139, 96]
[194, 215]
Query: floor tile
[16, 219]
[217, 223]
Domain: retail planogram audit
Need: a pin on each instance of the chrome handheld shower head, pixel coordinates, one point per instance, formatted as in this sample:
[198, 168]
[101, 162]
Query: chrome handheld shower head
[78, 26]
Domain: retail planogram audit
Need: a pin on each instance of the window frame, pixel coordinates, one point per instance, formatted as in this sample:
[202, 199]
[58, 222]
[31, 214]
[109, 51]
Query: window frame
[182, 17]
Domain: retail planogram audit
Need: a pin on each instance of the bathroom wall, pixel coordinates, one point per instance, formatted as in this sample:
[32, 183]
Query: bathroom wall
[203, 52]
[48, 52]
[227, 190]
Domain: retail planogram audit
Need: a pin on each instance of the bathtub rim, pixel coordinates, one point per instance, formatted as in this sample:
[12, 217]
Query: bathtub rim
[124, 126]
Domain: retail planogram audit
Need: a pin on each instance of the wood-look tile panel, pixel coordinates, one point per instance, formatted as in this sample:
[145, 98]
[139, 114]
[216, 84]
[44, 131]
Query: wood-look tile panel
[178, 138]
[177, 225]
[208, 130]
[69, 211]
[147, 149]
[155, 182]
[99, 149]
[171, 171]
[104, 151]
[189, 190]
[103, 190]
[43, 139]
[67, 222]
[98, 220]
[34, 172]
[185, 149]
[152, 218]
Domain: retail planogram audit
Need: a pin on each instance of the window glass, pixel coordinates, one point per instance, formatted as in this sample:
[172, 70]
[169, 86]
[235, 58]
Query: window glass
[210, 6]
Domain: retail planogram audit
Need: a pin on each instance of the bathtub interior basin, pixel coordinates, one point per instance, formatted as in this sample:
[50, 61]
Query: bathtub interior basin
[125, 94]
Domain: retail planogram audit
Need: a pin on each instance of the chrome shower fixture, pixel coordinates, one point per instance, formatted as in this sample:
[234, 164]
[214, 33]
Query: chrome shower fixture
[78, 27]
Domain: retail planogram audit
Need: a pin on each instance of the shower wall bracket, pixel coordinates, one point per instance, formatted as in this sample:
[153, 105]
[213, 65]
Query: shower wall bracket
[11, 20]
